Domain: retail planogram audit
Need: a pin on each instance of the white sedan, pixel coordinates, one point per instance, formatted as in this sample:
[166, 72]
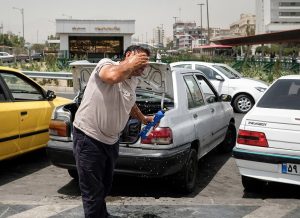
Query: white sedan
[244, 91]
[268, 143]
[6, 57]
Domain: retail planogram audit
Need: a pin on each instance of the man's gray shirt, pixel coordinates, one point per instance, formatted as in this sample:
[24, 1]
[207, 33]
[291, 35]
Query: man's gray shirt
[104, 109]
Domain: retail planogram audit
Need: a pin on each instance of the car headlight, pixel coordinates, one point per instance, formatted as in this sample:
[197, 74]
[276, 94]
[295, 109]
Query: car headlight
[260, 89]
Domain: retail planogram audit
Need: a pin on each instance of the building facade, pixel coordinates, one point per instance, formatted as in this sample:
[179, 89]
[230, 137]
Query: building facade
[245, 26]
[94, 39]
[158, 36]
[277, 15]
[184, 33]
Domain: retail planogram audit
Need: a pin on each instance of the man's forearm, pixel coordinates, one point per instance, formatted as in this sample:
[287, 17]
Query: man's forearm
[136, 113]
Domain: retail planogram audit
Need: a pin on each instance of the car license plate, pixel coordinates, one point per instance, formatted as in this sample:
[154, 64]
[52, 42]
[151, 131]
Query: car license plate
[288, 168]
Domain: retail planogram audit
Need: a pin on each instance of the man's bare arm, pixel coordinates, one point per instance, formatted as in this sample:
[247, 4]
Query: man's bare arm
[136, 113]
[112, 74]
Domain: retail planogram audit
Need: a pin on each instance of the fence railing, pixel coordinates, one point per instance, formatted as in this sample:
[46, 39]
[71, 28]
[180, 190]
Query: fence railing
[49, 75]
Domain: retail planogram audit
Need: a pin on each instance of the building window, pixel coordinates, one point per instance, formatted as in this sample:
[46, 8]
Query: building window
[289, 4]
[289, 14]
[94, 48]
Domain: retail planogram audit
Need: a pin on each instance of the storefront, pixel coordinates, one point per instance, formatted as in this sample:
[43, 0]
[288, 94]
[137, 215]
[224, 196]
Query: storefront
[94, 39]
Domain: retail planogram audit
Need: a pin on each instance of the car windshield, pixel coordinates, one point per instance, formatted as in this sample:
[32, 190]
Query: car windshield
[283, 94]
[228, 71]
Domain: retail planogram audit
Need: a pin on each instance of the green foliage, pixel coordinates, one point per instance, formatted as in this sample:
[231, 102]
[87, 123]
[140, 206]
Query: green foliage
[11, 40]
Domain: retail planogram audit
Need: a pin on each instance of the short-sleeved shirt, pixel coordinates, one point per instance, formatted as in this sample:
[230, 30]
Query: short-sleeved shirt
[104, 109]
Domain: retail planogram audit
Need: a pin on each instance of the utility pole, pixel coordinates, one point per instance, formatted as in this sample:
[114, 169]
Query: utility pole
[208, 32]
[201, 4]
[175, 19]
[22, 13]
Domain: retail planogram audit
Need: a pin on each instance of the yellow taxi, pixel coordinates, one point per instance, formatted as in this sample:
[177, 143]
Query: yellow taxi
[25, 112]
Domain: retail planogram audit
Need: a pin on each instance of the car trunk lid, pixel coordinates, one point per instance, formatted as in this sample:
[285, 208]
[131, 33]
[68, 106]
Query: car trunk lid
[155, 82]
[281, 127]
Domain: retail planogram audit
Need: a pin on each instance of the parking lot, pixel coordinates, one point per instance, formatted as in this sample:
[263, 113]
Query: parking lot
[31, 185]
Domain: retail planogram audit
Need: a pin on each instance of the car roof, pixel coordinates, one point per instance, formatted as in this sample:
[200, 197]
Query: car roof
[9, 69]
[197, 62]
[290, 77]
[184, 70]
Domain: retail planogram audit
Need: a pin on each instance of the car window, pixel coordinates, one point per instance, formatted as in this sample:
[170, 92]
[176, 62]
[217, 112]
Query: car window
[209, 73]
[2, 95]
[186, 66]
[195, 97]
[283, 94]
[229, 72]
[209, 94]
[21, 89]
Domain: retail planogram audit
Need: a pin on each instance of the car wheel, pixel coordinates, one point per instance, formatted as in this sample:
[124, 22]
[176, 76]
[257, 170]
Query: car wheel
[243, 103]
[188, 176]
[252, 184]
[73, 174]
[229, 141]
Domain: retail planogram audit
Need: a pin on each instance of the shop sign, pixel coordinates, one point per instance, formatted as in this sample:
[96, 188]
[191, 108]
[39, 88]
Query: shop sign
[102, 28]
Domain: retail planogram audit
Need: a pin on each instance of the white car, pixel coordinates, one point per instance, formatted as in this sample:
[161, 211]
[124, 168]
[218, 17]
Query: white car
[244, 91]
[196, 121]
[268, 143]
[6, 57]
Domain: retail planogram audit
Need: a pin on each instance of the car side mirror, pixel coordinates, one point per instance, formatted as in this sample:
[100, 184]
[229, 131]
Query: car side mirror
[226, 98]
[211, 99]
[218, 77]
[50, 95]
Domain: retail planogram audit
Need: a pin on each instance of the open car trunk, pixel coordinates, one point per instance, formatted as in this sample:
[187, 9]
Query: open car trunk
[154, 92]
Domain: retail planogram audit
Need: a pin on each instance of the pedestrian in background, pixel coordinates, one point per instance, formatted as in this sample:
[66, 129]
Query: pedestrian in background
[108, 101]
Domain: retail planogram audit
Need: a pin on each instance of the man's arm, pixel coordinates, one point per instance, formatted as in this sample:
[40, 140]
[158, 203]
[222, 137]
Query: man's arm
[136, 113]
[112, 74]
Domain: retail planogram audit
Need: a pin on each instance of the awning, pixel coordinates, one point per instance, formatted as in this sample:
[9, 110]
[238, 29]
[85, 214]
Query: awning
[268, 38]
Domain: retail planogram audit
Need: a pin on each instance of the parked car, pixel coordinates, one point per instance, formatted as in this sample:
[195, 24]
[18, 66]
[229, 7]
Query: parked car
[195, 122]
[244, 91]
[37, 56]
[25, 111]
[22, 57]
[6, 57]
[268, 143]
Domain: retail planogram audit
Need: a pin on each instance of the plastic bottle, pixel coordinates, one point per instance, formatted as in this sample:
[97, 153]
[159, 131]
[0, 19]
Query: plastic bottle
[148, 128]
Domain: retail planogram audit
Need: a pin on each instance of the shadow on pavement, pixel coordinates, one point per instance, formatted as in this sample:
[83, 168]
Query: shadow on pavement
[274, 190]
[163, 187]
[23, 165]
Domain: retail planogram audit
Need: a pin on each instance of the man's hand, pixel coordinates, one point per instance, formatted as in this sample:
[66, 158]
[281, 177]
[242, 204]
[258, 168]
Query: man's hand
[137, 62]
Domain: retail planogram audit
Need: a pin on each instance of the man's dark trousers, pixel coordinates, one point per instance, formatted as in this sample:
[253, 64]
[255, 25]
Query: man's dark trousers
[95, 163]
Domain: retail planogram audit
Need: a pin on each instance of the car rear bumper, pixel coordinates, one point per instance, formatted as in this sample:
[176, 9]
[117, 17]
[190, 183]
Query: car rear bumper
[131, 161]
[264, 157]
[265, 166]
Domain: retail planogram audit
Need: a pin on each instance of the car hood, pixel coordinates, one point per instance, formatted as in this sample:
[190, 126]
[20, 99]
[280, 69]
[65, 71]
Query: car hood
[157, 77]
[248, 82]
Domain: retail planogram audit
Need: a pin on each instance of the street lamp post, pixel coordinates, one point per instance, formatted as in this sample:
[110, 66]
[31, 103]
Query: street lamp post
[208, 32]
[201, 4]
[22, 12]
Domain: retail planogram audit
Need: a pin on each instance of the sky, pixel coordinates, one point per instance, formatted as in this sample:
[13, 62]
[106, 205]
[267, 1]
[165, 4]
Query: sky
[40, 15]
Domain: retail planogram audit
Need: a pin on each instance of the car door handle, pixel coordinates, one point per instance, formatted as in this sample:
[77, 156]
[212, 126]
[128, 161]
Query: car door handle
[212, 110]
[195, 116]
[23, 113]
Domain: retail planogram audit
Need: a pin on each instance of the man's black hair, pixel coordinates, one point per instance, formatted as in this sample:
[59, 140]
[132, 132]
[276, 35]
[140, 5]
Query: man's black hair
[137, 48]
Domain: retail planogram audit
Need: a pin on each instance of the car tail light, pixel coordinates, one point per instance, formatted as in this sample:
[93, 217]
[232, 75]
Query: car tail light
[58, 128]
[252, 138]
[159, 136]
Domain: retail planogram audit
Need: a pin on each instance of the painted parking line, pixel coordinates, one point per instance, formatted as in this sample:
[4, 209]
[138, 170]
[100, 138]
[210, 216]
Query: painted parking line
[274, 211]
[43, 211]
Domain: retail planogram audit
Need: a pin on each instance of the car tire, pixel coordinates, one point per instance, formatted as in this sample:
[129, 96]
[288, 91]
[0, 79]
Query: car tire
[187, 177]
[252, 184]
[229, 141]
[243, 103]
[73, 174]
